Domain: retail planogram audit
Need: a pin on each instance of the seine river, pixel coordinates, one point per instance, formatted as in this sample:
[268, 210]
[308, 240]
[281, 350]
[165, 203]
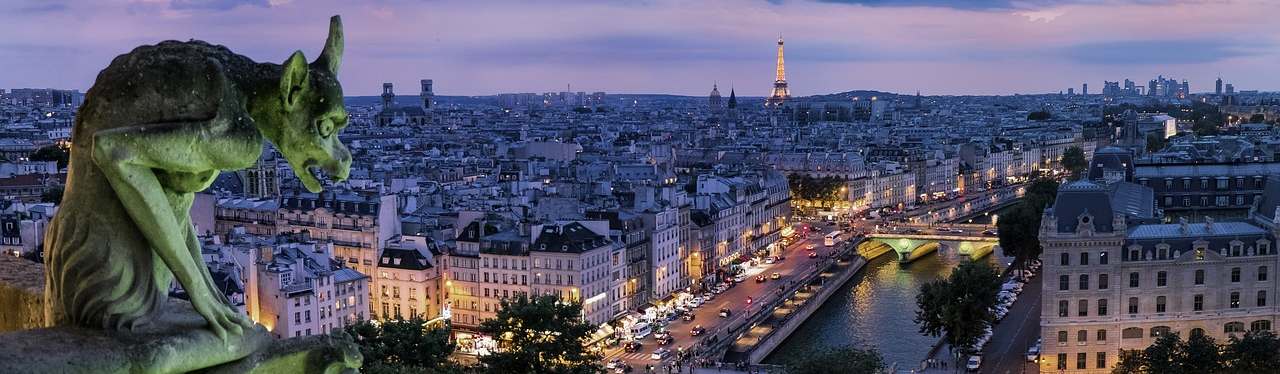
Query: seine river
[875, 309]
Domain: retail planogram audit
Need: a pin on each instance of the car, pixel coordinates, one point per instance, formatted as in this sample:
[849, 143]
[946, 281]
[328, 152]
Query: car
[696, 301]
[779, 258]
[813, 254]
[739, 278]
[708, 296]
[632, 346]
[687, 317]
[760, 279]
[664, 340]
[990, 233]
[660, 353]
[614, 363]
[725, 312]
[682, 310]
[770, 260]
[811, 246]
[697, 331]
[775, 276]
[1033, 353]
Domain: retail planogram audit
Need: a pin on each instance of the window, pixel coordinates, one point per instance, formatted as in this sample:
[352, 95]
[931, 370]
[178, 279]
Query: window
[1133, 279]
[1062, 336]
[1157, 331]
[1131, 333]
[1082, 336]
[1196, 331]
[1084, 281]
[1064, 259]
[1233, 327]
[1235, 275]
[1082, 308]
[1198, 304]
[1133, 305]
[1262, 273]
[1259, 325]
[1102, 281]
[1064, 282]
[1062, 308]
[1102, 258]
[1062, 361]
[1133, 255]
[1160, 304]
[1084, 258]
[1082, 360]
[1199, 277]
[1102, 360]
[1162, 279]
[1235, 300]
[1102, 335]
[1262, 298]
[1102, 307]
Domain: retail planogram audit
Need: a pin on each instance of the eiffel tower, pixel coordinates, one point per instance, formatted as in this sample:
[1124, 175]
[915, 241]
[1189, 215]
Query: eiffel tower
[780, 92]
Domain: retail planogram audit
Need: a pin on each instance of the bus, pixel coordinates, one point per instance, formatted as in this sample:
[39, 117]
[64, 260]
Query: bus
[831, 238]
[641, 330]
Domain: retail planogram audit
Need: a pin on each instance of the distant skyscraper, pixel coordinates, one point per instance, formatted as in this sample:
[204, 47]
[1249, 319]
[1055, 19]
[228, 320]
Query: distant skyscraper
[780, 92]
[1231, 89]
[1084, 89]
[1071, 91]
[1217, 86]
[427, 96]
[714, 100]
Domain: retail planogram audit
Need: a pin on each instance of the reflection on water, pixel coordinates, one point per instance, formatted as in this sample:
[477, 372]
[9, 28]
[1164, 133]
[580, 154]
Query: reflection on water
[875, 309]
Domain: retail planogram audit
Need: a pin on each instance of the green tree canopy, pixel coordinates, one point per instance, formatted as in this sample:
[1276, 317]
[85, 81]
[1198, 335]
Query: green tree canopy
[1257, 118]
[52, 153]
[1257, 352]
[1156, 142]
[1039, 116]
[1073, 161]
[403, 346]
[540, 335]
[958, 308]
[848, 360]
[1019, 230]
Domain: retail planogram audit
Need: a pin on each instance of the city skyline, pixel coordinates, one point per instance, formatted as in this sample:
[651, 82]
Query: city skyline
[988, 47]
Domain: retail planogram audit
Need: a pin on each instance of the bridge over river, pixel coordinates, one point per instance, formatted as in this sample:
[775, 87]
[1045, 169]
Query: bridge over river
[910, 242]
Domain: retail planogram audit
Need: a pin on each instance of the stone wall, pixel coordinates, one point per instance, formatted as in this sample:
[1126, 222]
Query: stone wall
[21, 294]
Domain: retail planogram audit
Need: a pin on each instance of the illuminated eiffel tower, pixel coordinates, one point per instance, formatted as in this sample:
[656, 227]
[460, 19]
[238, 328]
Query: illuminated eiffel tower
[780, 92]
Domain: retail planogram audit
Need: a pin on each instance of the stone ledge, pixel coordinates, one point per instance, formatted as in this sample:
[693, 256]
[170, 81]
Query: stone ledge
[21, 294]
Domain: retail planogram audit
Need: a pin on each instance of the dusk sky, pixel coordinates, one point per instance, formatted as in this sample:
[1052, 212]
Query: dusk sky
[678, 47]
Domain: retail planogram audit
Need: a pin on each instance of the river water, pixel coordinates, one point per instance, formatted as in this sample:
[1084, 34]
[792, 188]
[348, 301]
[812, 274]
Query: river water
[876, 309]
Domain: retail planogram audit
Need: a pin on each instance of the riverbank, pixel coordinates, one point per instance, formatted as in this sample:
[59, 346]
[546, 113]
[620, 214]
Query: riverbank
[799, 314]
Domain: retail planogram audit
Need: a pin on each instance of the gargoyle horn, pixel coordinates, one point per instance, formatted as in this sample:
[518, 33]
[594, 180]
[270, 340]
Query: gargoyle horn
[331, 56]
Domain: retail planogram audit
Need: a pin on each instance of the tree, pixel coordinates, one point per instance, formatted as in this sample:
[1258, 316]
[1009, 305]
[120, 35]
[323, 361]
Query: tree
[582, 110]
[1131, 361]
[1073, 160]
[1201, 355]
[839, 360]
[1257, 118]
[958, 308]
[52, 195]
[1165, 355]
[539, 335]
[403, 345]
[1019, 230]
[1038, 116]
[52, 153]
[1156, 142]
[1258, 352]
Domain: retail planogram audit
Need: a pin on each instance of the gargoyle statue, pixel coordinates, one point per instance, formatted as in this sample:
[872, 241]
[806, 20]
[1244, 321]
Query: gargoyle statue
[158, 125]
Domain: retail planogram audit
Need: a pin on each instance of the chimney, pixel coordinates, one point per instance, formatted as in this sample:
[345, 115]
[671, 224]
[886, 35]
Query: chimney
[1208, 224]
[1183, 227]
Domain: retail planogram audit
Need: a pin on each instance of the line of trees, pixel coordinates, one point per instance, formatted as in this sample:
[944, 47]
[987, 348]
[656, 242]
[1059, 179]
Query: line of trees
[540, 335]
[1019, 229]
[809, 188]
[1257, 352]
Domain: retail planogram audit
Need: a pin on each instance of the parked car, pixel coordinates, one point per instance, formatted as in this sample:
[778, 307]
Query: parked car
[760, 279]
[725, 313]
[1033, 353]
[697, 331]
[696, 302]
[614, 363]
[975, 362]
[770, 260]
[739, 278]
[775, 276]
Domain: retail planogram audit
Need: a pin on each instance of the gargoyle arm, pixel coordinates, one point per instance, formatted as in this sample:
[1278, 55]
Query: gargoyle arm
[127, 157]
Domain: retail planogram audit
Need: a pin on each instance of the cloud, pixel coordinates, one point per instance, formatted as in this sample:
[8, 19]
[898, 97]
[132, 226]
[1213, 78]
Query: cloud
[216, 4]
[1160, 52]
[992, 5]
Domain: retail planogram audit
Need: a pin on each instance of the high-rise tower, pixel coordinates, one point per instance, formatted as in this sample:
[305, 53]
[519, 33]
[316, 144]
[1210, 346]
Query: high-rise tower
[388, 96]
[714, 100]
[780, 92]
[1217, 86]
[427, 96]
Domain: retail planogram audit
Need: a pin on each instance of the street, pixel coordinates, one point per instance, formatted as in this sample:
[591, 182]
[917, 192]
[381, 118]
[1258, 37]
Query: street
[1006, 352]
[796, 263]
